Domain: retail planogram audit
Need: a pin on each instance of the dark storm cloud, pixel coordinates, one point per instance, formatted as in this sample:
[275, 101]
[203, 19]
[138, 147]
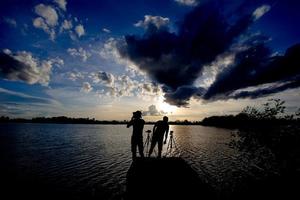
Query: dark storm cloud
[176, 60]
[23, 67]
[181, 95]
[254, 67]
[267, 91]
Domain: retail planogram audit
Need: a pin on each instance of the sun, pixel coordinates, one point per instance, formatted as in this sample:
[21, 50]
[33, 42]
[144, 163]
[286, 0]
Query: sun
[165, 107]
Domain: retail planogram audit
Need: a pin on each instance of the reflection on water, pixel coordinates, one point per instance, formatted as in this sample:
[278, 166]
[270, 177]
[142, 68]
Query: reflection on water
[85, 157]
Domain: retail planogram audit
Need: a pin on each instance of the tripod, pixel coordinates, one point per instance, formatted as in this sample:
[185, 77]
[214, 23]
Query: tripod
[170, 145]
[148, 143]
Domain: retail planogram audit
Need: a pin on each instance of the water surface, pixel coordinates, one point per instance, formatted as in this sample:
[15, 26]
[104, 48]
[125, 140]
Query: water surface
[89, 158]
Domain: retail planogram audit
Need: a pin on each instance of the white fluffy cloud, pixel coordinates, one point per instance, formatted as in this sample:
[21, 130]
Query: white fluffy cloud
[123, 86]
[103, 77]
[48, 13]
[158, 21]
[22, 66]
[80, 52]
[57, 61]
[116, 86]
[79, 29]
[187, 2]
[86, 87]
[41, 24]
[62, 4]
[75, 76]
[110, 52]
[260, 11]
[152, 111]
[66, 25]
[47, 19]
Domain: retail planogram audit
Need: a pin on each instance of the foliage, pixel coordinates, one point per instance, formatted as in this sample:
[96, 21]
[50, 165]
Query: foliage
[272, 137]
[272, 109]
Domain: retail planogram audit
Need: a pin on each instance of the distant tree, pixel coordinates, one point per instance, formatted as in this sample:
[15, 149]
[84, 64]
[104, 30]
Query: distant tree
[274, 108]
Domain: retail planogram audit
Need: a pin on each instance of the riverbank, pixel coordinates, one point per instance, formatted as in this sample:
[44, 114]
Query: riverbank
[69, 120]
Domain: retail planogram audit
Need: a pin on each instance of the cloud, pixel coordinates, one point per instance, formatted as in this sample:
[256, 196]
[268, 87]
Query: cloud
[66, 25]
[12, 22]
[260, 11]
[110, 51]
[187, 2]
[75, 76]
[103, 77]
[263, 92]
[79, 29]
[7, 51]
[212, 56]
[80, 52]
[150, 20]
[72, 35]
[62, 4]
[176, 60]
[13, 96]
[41, 24]
[22, 66]
[181, 96]
[116, 86]
[86, 87]
[149, 89]
[152, 111]
[48, 13]
[106, 30]
[124, 86]
[256, 66]
[47, 19]
[57, 61]
[209, 72]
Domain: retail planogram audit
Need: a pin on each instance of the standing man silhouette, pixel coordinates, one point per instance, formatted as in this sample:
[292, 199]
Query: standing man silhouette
[160, 129]
[137, 133]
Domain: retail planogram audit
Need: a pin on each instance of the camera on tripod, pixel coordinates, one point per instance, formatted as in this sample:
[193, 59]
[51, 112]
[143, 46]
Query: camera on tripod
[171, 146]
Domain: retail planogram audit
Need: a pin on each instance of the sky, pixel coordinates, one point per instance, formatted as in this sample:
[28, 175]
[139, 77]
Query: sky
[186, 59]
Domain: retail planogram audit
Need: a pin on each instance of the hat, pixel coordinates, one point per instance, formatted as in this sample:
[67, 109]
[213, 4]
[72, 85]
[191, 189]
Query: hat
[137, 113]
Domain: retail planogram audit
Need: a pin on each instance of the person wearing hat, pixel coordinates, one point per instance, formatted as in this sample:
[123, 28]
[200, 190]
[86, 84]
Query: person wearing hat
[137, 133]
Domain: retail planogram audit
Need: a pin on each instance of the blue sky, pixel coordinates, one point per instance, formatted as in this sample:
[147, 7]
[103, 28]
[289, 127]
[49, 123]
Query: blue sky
[74, 58]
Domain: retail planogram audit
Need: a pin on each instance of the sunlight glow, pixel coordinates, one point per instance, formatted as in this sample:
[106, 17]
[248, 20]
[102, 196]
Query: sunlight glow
[165, 107]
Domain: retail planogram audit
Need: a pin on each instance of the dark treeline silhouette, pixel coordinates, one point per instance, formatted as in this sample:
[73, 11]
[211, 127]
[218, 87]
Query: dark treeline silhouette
[271, 114]
[60, 120]
[69, 120]
[270, 138]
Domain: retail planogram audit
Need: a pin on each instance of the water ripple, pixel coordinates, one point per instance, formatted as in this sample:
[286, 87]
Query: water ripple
[85, 157]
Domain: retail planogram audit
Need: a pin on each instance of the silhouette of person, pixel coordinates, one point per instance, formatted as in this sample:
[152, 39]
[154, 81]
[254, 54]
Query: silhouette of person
[160, 129]
[137, 133]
